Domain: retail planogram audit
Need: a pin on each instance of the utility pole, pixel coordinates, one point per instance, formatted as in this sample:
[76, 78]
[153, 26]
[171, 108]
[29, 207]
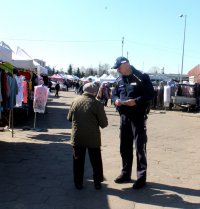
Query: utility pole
[183, 52]
[122, 46]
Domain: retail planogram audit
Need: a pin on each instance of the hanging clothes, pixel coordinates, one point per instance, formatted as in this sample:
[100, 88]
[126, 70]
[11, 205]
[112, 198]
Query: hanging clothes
[19, 97]
[26, 74]
[40, 98]
[4, 87]
[1, 99]
[34, 80]
[25, 92]
[13, 92]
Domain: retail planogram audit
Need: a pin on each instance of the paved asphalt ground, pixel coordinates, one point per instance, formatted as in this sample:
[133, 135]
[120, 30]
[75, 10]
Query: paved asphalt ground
[36, 167]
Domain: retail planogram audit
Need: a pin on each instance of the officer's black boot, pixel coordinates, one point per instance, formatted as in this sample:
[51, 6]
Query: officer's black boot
[122, 179]
[140, 183]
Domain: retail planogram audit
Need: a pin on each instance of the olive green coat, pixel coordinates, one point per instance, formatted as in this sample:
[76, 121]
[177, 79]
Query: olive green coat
[87, 115]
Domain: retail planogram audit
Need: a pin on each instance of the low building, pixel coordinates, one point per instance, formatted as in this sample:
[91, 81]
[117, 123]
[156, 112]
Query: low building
[194, 74]
[168, 77]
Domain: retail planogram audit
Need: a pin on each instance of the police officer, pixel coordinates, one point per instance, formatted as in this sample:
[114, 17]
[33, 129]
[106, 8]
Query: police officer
[132, 97]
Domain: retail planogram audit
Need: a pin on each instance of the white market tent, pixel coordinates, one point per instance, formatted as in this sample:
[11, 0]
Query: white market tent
[97, 80]
[84, 79]
[70, 77]
[91, 77]
[109, 78]
[5, 52]
[42, 70]
[76, 77]
[21, 59]
[103, 76]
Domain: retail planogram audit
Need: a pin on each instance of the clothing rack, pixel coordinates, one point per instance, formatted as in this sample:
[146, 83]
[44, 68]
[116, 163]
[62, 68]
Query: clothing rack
[7, 67]
[10, 126]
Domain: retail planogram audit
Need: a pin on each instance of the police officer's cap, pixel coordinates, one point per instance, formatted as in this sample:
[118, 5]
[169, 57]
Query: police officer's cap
[119, 61]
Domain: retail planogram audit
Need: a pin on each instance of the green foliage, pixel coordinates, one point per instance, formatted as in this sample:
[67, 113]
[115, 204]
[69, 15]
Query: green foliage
[70, 70]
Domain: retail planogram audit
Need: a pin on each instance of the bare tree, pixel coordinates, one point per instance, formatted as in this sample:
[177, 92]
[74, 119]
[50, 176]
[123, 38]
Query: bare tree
[155, 70]
[103, 69]
[90, 71]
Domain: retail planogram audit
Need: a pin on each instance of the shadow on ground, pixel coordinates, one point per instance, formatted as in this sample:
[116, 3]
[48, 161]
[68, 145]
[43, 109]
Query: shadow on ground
[40, 176]
[60, 137]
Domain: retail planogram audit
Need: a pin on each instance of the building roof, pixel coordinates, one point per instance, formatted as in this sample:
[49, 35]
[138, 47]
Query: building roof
[195, 73]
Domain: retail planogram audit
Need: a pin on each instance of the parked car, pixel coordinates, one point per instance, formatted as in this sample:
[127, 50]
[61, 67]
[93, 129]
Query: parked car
[185, 96]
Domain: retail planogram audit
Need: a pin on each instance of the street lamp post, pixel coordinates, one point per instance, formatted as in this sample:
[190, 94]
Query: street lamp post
[183, 52]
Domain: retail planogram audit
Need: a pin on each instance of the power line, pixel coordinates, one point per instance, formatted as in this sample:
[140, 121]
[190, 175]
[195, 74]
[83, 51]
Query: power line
[152, 46]
[60, 41]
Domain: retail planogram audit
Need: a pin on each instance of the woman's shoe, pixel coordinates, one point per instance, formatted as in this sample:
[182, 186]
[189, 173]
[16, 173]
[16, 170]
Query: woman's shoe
[97, 185]
[79, 186]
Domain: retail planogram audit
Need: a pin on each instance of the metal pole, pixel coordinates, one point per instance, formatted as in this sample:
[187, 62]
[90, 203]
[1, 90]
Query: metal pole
[127, 55]
[12, 123]
[9, 122]
[122, 46]
[183, 52]
[34, 126]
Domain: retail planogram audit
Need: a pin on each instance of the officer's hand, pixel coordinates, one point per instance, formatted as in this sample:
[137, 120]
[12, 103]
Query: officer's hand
[118, 102]
[130, 102]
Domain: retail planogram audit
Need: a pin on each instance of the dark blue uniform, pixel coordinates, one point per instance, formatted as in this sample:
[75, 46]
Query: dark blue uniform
[132, 125]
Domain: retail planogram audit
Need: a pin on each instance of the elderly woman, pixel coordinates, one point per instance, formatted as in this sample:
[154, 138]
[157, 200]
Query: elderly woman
[87, 115]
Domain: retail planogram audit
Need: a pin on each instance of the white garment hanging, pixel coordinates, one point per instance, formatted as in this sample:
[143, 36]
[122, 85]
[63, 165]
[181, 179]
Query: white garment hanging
[19, 97]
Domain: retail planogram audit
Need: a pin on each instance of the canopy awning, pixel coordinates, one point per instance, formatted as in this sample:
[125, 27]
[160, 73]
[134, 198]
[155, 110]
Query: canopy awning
[42, 70]
[56, 77]
[5, 52]
[21, 59]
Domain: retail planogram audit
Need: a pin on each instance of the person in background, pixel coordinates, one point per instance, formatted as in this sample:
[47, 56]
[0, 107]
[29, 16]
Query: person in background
[87, 115]
[57, 88]
[104, 93]
[111, 90]
[80, 90]
[160, 100]
[155, 99]
[90, 80]
[66, 84]
[77, 86]
[50, 85]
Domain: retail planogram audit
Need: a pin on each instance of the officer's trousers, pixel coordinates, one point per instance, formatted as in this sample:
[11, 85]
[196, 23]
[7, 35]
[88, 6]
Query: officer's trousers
[79, 162]
[133, 131]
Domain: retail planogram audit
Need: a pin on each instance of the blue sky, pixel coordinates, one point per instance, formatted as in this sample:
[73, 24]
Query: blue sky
[89, 32]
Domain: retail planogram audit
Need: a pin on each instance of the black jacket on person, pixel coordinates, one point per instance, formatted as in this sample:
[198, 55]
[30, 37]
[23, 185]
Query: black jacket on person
[136, 86]
[57, 87]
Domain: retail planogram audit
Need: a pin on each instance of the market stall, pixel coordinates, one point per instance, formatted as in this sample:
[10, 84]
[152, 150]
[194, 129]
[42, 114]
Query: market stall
[108, 79]
[5, 54]
[22, 85]
[8, 93]
[56, 77]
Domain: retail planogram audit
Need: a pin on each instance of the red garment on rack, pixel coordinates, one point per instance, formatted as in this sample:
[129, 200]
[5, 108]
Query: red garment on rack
[25, 92]
[27, 75]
